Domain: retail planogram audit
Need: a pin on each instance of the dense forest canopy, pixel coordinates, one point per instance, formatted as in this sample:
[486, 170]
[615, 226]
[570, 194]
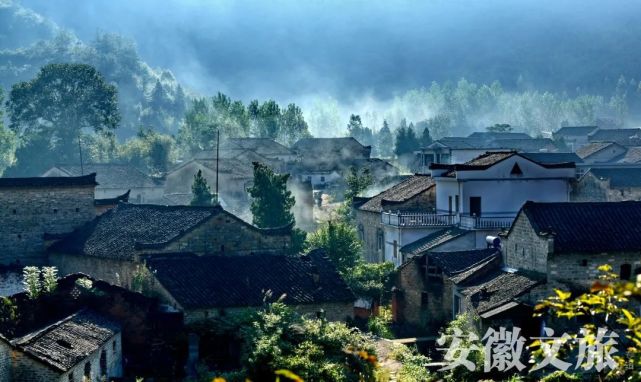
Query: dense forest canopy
[411, 72]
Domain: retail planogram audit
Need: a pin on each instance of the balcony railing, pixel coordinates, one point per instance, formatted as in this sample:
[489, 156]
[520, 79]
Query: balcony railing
[418, 219]
[486, 222]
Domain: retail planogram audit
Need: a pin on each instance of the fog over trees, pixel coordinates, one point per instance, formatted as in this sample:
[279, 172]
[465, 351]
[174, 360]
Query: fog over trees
[288, 71]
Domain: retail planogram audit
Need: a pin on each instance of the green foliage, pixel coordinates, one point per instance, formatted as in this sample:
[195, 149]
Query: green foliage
[313, 349]
[31, 281]
[298, 240]
[561, 376]
[467, 324]
[48, 113]
[406, 141]
[142, 280]
[271, 200]
[385, 141]
[292, 125]
[201, 192]
[7, 141]
[370, 279]
[380, 325]
[413, 367]
[362, 134]
[49, 279]
[357, 182]
[607, 305]
[149, 151]
[340, 242]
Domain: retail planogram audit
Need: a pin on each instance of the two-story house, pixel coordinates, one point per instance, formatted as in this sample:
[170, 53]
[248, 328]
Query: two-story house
[574, 137]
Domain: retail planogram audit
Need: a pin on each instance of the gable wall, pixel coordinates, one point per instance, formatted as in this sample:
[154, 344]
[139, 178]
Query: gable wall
[22, 233]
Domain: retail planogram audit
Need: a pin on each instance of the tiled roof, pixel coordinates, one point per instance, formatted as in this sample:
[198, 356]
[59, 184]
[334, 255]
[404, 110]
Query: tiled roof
[489, 159]
[481, 268]
[236, 281]
[457, 262]
[619, 177]
[432, 240]
[496, 288]
[121, 231]
[261, 146]
[459, 143]
[399, 193]
[124, 198]
[633, 155]
[566, 131]
[68, 342]
[236, 169]
[490, 136]
[549, 158]
[624, 137]
[324, 146]
[58, 181]
[592, 148]
[529, 144]
[110, 175]
[593, 227]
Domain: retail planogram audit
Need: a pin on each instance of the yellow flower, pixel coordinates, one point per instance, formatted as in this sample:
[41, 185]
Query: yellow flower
[218, 379]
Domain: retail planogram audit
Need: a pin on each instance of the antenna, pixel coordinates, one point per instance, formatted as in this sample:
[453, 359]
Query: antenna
[82, 170]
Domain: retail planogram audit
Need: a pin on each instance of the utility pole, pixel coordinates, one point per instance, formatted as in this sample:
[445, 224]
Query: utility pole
[217, 158]
[82, 170]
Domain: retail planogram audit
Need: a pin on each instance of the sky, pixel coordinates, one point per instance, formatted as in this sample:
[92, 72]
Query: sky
[346, 49]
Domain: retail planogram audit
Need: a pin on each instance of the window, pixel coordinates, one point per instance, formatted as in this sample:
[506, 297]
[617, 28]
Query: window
[395, 249]
[55, 210]
[625, 272]
[309, 178]
[475, 205]
[322, 179]
[103, 362]
[19, 236]
[456, 203]
[15, 212]
[361, 232]
[77, 209]
[449, 204]
[71, 378]
[113, 346]
[87, 370]
[424, 299]
[584, 263]
[516, 170]
[380, 238]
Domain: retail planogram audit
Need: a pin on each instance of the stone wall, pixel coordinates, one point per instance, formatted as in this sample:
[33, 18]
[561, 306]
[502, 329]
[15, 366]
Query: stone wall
[28, 213]
[370, 227]
[5, 361]
[524, 249]
[226, 234]
[113, 271]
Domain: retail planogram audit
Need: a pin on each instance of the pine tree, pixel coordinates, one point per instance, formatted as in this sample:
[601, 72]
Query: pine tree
[271, 200]
[385, 141]
[201, 192]
[401, 139]
[426, 138]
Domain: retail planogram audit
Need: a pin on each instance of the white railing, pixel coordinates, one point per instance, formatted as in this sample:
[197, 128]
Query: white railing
[486, 222]
[418, 219]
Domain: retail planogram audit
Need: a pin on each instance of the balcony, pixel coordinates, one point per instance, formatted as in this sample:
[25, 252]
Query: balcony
[418, 219]
[486, 222]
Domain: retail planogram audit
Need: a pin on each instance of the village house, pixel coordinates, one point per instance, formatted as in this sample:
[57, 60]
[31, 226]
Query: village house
[412, 195]
[574, 137]
[265, 147]
[33, 208]
[601, 152]
[450, 238]
[85, 346]
[206, 287]
[567, 242]
[623, 137]
[608, 184]
[423, 294]
[110, 246]
[115, 180]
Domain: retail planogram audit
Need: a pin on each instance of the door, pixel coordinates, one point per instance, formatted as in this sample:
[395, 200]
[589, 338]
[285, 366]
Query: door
[475, 205]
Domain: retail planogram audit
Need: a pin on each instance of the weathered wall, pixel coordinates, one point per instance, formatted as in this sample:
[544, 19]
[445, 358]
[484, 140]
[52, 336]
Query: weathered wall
[369, 224]
[524, 249]
[28, 213]
[116, 272]
[5, 361]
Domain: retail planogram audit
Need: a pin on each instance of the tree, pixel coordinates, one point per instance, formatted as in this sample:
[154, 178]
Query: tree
[201, 192]
[385, 141]
[271, 200]
[499, 128]
[608, 305]
[267, 120]
[292, 125]
[401, 138]
[340, 242]
[49, 112]
[7, 141]
[149, 151]
[426, 138]
[356, 130]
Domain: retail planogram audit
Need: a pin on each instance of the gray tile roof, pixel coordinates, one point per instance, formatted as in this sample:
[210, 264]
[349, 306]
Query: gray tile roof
[261, 146]
[110, 175]
[68, 342]
[58, 181]
[593, 148]
[433, 240]
[496, 289]
[627, 177]
[625, 137]
[574, 131]
[456, 262]
[633, 155]
[237, 281]
[548, 158]
[593, 227]
[401, 192]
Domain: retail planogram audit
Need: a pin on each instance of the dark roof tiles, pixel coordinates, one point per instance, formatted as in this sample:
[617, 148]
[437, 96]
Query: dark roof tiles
[594, 227]
[401, 192]
[58, 181]
[496, 288]
[198, 282]
[433, 240]
[68, 342]
[111, 175]
[619, 177]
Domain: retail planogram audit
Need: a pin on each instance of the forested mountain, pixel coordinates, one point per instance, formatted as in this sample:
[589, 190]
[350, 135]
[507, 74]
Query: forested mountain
[147, 97]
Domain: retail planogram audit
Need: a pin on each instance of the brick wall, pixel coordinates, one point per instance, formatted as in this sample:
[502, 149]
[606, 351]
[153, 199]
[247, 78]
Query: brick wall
[524, 249]
[27, 213]
[371, 228]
